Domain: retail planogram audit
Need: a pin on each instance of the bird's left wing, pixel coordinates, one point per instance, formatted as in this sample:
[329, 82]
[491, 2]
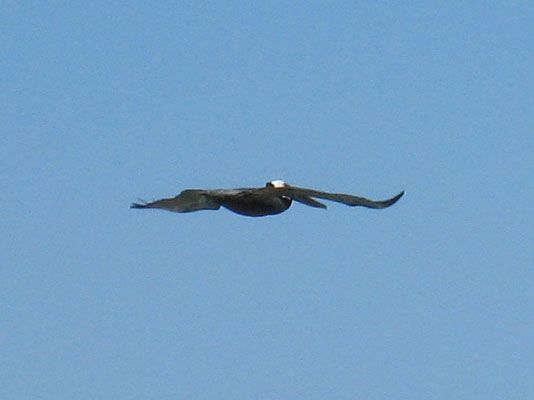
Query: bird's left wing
[187, 201]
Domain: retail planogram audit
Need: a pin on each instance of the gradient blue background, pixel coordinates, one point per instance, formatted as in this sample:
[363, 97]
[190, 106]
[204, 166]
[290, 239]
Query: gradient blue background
[104, 102]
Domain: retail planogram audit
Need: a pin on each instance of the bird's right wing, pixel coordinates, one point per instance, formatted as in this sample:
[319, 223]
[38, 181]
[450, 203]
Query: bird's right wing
[187, 201]
[309, 201]
[348, 199]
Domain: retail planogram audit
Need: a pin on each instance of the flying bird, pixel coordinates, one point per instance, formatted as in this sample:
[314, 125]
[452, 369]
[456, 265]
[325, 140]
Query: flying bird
[274, 198]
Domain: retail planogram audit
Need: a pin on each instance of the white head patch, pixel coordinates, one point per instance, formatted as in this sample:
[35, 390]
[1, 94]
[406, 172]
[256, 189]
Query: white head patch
[278, 183]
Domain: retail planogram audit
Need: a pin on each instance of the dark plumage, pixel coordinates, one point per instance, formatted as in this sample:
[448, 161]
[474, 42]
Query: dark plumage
[274, 198]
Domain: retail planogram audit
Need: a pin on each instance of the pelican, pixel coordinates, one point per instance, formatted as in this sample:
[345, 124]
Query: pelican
[274, 198]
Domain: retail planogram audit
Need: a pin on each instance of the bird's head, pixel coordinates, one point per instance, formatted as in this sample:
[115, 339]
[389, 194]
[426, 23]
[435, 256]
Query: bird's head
[277, 184]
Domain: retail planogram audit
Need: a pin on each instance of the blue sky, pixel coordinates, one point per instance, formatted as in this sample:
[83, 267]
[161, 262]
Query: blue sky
[106, 102]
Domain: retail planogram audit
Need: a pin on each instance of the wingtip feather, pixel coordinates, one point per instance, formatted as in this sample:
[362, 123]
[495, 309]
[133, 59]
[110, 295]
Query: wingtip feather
[143, 204]
[394, 199]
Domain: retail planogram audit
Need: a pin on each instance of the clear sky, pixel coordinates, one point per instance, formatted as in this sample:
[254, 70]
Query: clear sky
[104, 102]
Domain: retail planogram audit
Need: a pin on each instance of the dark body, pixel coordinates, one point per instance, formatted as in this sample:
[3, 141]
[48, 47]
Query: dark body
[254, 203]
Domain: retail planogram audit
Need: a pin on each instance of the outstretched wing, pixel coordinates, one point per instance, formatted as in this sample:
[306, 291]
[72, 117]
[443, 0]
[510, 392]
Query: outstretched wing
[187, 201]
[300, 194]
